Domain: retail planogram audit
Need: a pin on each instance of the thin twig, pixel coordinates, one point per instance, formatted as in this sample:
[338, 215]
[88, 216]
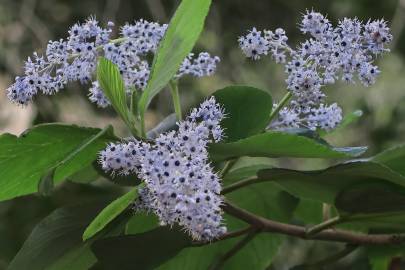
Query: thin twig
[280, 105]
[227, 167]
[239, 184]
[267, 225]
[225, 236]
[174, 90]
[324, 225]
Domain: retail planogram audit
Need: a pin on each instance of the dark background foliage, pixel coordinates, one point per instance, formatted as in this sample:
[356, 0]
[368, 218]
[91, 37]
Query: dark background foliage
[27, 25]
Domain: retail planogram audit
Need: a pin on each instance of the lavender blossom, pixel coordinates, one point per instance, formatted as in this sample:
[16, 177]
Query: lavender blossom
[75, 59]
[332, 53]
[181, 187]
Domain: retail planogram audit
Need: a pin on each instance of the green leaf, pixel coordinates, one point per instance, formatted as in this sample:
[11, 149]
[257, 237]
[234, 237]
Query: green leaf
[112, 84]
[78, 259]
[86, 175]
[393, 158]
[324, 185]
[141, 222]
[26, 159]
[371, 197]
[55, 237]
[181, 35]
[379, 263]
[380, 256]
[142, 251]
[81, 157]
[109, 213]
[309, 211]
[247, 167]
[350, 118]
[247, 111]
[280, 144]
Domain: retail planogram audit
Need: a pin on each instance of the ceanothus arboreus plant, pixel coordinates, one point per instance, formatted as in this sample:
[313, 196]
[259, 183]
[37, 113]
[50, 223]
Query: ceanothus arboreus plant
[198, 191]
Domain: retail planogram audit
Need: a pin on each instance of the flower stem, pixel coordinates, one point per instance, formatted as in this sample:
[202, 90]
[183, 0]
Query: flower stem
[280, 105]
[142, 124]
[174, 89]
[227, 167]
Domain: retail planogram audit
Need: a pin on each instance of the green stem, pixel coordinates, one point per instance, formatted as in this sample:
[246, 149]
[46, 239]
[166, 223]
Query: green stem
[280, 105]
[132, 128]
[326, 211]
[239, 184]
[176, 99]
[227, 167]
[324, 225]
[142, 125]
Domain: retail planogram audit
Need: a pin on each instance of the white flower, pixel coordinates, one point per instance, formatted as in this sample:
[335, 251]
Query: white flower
[181, 187]
[331, 53]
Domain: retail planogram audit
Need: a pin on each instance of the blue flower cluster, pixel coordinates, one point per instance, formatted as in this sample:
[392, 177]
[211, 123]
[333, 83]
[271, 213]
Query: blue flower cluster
[75, 59]
[330, 53]
[181, 187]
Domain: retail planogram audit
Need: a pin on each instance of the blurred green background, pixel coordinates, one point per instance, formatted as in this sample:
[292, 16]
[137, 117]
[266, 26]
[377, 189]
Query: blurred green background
[27, 25]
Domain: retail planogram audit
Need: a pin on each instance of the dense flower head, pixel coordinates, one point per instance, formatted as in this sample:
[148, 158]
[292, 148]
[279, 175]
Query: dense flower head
[180, 185]
[254, 44]
[75, 59]
[344, 52]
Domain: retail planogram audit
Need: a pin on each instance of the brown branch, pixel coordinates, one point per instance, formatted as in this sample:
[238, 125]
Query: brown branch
[267, 225]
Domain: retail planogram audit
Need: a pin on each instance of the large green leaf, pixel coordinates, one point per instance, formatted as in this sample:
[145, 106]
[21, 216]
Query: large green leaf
[80, 258]
[84, 155]
[141, 251]
[376, 205]
[112, 84]
[359, 189]
[247, 111]
[26, 159]
[324, 185]
[371, 198]
[54, 239]
[247, 167]
[142, 222]
[393, 158]
[109, 213]
[280, 144]
[181, 35]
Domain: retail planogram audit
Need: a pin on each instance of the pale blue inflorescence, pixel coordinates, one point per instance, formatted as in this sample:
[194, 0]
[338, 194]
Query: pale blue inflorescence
[331, 53]
[181, 187]
[75, 59]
